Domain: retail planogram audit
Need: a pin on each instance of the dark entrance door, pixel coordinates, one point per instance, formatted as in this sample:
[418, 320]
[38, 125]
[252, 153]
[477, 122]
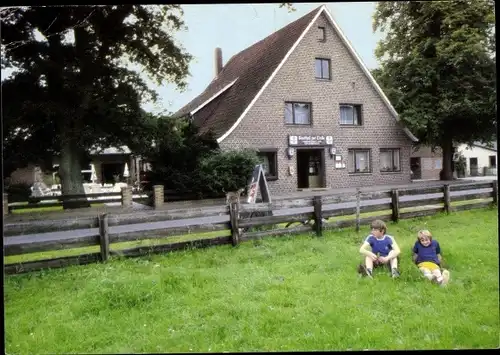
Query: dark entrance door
[474, 170]
[416, 168]
[109, 171]
[310, 168]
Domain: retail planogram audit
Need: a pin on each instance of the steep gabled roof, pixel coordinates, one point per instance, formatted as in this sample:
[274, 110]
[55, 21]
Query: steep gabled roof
[227, 99]
[250, 68]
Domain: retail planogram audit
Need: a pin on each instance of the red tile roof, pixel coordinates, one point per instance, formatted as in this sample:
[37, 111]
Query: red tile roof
[251, 67]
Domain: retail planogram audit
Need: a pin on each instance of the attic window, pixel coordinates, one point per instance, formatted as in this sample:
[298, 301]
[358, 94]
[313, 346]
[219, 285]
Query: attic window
[321, 34]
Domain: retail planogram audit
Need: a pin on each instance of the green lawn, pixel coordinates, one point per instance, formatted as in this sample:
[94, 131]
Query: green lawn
[277, 294]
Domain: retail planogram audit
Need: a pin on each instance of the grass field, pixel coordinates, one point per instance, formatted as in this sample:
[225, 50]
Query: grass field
[277, 294]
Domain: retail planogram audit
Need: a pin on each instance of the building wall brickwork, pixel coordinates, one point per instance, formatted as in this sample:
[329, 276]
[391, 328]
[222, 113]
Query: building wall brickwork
[264, 125]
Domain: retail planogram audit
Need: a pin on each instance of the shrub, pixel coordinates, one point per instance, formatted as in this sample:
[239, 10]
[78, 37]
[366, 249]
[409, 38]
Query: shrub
[186, 161]
[226, 171]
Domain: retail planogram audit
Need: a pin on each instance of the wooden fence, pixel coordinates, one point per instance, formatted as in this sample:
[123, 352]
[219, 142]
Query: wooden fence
[57, 201]
[154, 198]
[233, 223]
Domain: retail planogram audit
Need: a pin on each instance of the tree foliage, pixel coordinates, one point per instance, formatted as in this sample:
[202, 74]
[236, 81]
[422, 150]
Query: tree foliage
[174, 148]
[438, 69]
[288, 6]
[184, 160]
[74, 87]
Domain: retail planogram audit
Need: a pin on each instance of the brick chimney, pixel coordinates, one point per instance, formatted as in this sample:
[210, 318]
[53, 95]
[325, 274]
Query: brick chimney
[218, 61]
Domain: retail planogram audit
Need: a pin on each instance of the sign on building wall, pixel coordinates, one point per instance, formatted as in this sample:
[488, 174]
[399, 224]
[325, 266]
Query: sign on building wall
[310, 140]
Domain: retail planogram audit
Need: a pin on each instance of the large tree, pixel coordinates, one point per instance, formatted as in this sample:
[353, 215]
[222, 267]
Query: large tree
[73, 87]
[438, 69]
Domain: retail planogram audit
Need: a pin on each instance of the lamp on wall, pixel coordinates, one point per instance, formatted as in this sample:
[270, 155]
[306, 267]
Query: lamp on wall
[290, 152]
[332, 151]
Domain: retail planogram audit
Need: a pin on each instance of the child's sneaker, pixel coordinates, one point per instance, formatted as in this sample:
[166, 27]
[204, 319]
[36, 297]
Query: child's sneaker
[364, 271]
[395, 273]
[446, 277]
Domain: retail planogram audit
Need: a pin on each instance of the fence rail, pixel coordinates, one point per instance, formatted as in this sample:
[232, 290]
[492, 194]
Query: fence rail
[125, 197]
[58, 201]
[232, 224]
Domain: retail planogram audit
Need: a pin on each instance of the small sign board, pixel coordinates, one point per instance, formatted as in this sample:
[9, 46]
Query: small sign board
[258, 180]
[310, 140]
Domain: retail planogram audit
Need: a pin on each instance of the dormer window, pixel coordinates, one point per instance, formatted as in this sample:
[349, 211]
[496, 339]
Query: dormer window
[321, 34]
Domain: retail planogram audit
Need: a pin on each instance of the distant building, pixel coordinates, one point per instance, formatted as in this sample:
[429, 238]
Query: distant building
[426, 163]
[481, 159]
[109, 164]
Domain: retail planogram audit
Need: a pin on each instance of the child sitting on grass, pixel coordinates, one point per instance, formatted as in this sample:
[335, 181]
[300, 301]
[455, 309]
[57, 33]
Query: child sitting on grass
[384, 251]
[427, 256]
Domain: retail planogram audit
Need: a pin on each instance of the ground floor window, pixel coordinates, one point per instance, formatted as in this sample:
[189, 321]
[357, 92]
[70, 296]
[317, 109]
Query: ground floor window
[359, 161]
[269, 161]
[493, 161]
[390, 160]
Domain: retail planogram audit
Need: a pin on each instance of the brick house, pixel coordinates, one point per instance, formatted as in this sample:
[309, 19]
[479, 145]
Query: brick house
[305, 101]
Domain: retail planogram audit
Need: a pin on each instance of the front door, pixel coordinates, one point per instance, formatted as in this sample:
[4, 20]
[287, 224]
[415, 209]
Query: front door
[415, 168]
[474, 170]
[310, 168]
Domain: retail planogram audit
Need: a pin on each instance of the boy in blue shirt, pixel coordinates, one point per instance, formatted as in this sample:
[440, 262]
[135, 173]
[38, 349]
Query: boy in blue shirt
[379, 249]
[427, 256]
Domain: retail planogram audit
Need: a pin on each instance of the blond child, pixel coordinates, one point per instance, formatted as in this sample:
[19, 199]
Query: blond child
[427, 256]
[379, 249]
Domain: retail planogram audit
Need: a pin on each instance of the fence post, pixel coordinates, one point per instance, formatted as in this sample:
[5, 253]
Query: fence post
[127, 196]
[495, 192]
[104, 236]
[158, 196]
[234, 218]
[395, 205]
[358, 208]
[5, 204]
[318, 216]
[447, 198]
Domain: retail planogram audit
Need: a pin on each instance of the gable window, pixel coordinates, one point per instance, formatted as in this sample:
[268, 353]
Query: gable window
[350, 115]
[321, 34]
[359, 160]
[269, 160]
[322, 66]
[297, 113]
[389, 160]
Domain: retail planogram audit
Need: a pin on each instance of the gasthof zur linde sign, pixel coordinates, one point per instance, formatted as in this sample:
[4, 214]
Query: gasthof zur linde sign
[320, 140]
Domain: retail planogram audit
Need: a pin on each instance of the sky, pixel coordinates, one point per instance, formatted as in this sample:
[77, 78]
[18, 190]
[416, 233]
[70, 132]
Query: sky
[234, 27]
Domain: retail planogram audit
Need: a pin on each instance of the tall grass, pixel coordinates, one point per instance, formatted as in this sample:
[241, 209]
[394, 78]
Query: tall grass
[276, 294]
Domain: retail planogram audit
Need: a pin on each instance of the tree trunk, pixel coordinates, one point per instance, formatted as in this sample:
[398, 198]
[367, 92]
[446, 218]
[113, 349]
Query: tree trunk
[70, 164]
[71, 175]
[71, 153]
[447, 172]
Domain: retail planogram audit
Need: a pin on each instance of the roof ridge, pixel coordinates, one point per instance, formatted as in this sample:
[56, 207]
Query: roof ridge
[274, 34]
[248, 56]
[281, 30]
